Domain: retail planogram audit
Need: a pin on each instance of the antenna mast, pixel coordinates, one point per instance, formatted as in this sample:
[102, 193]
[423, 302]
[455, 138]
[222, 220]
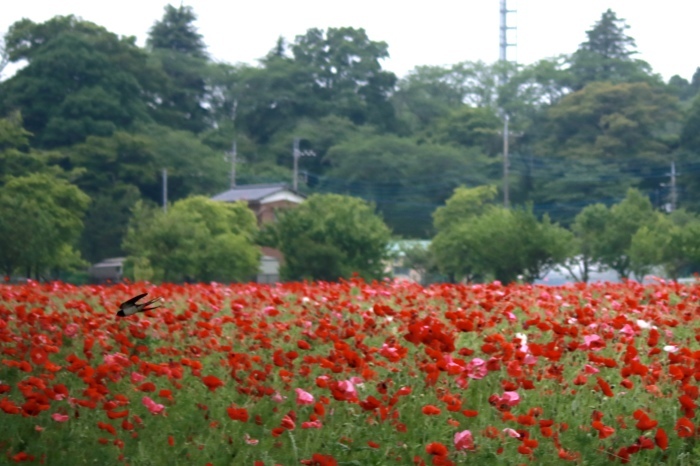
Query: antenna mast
[503, 58]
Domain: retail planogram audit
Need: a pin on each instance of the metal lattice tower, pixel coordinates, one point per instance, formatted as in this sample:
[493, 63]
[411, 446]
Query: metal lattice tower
[505, 43]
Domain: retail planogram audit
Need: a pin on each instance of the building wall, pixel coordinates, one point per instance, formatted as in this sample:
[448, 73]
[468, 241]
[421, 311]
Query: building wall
[266, 212]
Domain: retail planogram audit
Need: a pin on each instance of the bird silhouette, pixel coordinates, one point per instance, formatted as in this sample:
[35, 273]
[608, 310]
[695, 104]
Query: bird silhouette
[131, 307]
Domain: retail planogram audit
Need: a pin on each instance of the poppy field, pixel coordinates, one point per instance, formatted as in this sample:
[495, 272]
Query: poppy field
[350, 373]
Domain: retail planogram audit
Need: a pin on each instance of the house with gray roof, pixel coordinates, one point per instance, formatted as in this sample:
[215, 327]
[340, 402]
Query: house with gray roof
[265, 200]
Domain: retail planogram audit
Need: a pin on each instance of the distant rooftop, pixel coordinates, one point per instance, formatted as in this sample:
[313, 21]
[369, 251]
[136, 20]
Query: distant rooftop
[252, 192]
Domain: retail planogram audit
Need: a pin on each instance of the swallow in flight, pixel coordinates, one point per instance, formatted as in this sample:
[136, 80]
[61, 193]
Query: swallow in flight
[131, 307]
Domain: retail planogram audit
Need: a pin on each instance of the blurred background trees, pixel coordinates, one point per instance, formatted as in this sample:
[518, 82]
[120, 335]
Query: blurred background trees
[96, 112]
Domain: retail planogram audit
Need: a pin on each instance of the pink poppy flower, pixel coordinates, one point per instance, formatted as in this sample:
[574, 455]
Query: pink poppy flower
[58, 417]
[153, 407]
[464, 440]
[304, 397]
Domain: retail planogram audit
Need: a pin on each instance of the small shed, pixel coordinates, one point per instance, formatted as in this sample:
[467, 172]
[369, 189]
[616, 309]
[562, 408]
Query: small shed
[107, 270]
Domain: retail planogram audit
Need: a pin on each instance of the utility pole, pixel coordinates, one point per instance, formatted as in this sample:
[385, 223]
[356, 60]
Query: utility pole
[503, 58]
[234, 112]
[233, 165]
[165, 190]
[296, 154]
[674, 190]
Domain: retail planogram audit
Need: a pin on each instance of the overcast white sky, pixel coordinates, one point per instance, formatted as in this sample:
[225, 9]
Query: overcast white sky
[436, 32]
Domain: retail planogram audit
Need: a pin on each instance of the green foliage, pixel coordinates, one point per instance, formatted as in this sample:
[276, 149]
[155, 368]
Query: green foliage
[625, 218]
[690, 137]
[197, 239]
[672, 241]
[80, 80]
[16, 156]
[193, 167]
[347, 74]
[176, 31]
[607, 55]
[477, 240]
[427, 93]
[398, 174]
[40, 223]
[464, 204]
[330, 236]
[106, 221]
[585, 127]
[588, 235]
[477, 127]
[611, 120]
[180, 52]
[122, 158]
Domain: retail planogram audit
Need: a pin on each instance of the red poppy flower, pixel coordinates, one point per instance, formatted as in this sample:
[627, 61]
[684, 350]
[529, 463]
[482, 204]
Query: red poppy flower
[212, 382]
[644, 422]
[605, 387]
[22, 457]
[436, 448]
[38, 355]
[323, 460]
[117, 414]
[238, 414]
[661, 439]
[431, 410]
[685, 427]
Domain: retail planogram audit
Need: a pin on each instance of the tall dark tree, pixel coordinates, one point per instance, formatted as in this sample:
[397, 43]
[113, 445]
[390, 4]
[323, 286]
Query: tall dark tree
[607, 55]
[176, 32]
[181, 53]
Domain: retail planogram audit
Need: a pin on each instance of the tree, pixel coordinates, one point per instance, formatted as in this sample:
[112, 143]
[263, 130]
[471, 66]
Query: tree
[607, 55]
[626, 218]
[16, 156]
[611, 120]
[463, 204]
[598, 142]
[181, 53]
[406, 180]
[330, 236]
[193, 167]
[119, 169]
[451, 222]
[475, 127]
[588, 231]
[274, 97]
[688, 156]
[671, 241]
[122, 158]
[346, 70]
[106, 221]
[503, 244]
[196, 239]
[40, 223]
[426, 93]
[682, 88]
[176, 31]
[545, 244]
[79, 80]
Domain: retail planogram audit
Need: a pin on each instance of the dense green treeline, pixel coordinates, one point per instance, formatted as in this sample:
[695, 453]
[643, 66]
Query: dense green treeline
[97, 113]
